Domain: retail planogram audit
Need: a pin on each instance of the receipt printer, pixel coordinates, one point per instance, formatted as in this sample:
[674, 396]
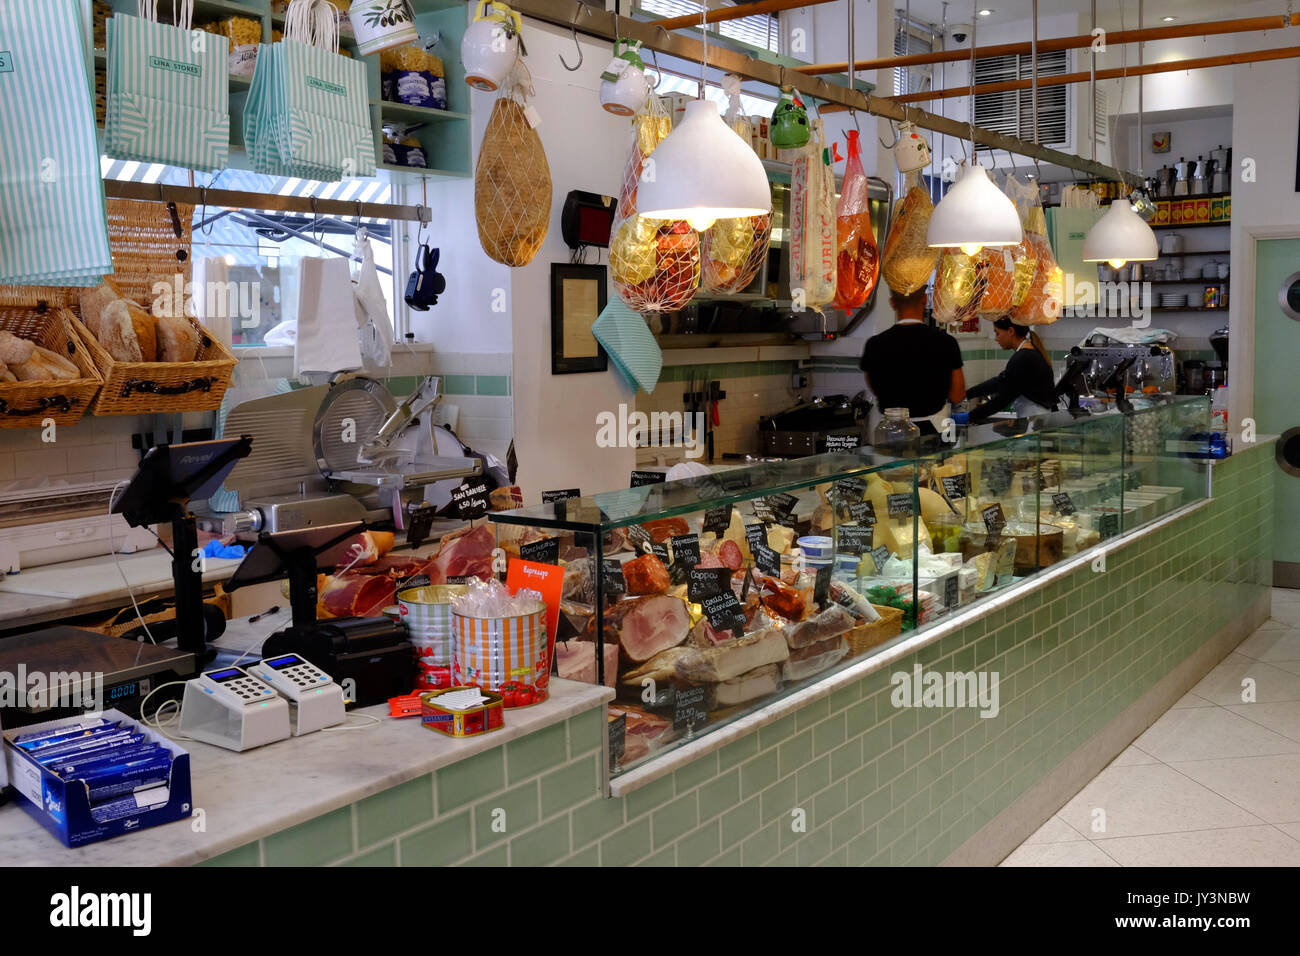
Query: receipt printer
[370, 658]
[315, 701]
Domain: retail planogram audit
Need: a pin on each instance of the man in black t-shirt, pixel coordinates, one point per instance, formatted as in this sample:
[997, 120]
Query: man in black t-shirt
[913, 365]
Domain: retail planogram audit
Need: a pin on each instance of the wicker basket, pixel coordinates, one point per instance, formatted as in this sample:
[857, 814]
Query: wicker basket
[866, 636]
[138, 388]
[30, 404]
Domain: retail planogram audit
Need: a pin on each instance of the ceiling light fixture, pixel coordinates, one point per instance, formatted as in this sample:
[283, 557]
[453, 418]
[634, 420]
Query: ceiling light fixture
[974, 213]
[1169, 19]
[987, 12]
[1121, 236]
[703, 171]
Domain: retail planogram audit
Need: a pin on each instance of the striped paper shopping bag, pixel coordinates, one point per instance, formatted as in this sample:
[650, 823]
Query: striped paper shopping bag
[53, 229]
[168, 94]
[325, 117]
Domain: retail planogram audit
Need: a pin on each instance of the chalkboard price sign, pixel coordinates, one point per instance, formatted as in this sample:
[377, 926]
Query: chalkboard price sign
[880, 556]
[562, 495]
[864, 512]
[1063, 504]
[686, 550]
[546, 551]
[900, 506]
[782, 504]
[994, 519]
[639, 538]
[841, 442]
[950, 591]
[471, 500]
[640, 478]
[718, 520]
[854, 539]
[688, 708]
[611, 572]
[618, 738]
[822, 587]
[702, 583]
[768, 561]
[955, 486]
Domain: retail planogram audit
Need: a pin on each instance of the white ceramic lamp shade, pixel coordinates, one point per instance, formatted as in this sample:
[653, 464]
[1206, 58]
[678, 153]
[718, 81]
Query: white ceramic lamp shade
[703, 172]
[974, 214]
[1120, 236]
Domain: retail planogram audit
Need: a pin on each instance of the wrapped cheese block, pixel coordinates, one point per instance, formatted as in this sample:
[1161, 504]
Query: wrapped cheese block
[908, 260]
[1008, 273]
[733, 251]
[959, 286]
[1046, 289]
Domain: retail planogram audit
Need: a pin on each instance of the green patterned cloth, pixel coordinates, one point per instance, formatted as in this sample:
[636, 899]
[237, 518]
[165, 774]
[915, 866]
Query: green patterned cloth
[53, 229]
[168, 95]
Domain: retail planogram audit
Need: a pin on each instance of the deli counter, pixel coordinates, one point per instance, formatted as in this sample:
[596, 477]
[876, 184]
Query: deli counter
[700, 601]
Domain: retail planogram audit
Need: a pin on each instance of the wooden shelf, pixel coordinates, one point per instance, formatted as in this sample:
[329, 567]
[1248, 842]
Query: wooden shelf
[423, 114]
[1188, 308]
[1196, 252]
[1181, 281]
[1193, 225]
[417, 171]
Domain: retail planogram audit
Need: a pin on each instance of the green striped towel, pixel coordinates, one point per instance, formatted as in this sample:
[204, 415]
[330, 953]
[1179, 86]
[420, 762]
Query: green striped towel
[168, 97]
[630, 344]
[53, 229]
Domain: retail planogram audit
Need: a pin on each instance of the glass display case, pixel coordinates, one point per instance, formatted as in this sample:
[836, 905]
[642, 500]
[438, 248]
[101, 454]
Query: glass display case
[700, 600]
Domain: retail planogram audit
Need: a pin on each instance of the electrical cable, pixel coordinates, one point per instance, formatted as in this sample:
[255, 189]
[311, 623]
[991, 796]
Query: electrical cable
[112, 550]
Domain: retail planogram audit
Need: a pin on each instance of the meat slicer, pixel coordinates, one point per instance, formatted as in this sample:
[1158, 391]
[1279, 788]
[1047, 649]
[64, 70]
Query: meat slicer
[346, 451]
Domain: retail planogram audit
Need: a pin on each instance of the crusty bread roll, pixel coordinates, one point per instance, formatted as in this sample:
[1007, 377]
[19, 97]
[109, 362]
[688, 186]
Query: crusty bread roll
[95, 301]
[117, 333]
[142, 321]
[178, 340]
[43, 365]
[6, 375]
[15, 350]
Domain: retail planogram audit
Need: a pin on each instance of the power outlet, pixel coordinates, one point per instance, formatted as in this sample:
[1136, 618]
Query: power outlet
[798, 380]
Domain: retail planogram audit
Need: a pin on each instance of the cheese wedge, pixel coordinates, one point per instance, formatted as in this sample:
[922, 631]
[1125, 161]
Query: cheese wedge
[779, 538]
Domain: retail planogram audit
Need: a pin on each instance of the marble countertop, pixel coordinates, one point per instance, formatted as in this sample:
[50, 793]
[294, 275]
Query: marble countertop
[246, 796]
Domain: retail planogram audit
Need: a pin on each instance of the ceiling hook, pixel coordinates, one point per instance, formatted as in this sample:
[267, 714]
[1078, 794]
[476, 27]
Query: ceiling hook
[659, 73]
[898, 135]
[573, 28]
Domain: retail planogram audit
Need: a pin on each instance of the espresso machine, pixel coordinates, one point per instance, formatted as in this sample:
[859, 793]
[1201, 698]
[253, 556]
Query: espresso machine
[1216, 373]
[1221, 170]
[1183, 181]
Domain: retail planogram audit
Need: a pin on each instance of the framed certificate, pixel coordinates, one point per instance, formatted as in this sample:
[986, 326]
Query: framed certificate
[577, 298]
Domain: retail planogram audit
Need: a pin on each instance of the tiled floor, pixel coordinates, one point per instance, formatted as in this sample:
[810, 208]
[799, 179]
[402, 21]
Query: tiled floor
[1214, 782]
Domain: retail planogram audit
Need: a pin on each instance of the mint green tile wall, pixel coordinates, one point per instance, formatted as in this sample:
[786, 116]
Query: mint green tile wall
[850, 779]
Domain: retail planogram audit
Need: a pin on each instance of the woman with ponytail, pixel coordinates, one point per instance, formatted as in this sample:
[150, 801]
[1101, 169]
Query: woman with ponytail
[1025, 384]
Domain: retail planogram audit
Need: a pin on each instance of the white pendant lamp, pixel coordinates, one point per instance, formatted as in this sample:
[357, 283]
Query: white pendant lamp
[974, 214]
[1119, 237]
[703, 172]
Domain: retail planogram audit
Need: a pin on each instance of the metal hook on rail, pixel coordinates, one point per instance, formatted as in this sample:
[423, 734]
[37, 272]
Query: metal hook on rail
[573, 28]
[898, 134]
[659, 74]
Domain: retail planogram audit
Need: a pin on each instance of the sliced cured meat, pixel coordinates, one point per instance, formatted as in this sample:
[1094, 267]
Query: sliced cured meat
[576, 660]
[665, 528]
[814, 659]
[831, 622]
[357, 595]
[367, 548]
[506, 499]
[578, 585]
[717, 664]
[464, 554]
[751, 685]
[643, 732]
[644, 626]
[710, 559]
[730, 555]
[646, 575]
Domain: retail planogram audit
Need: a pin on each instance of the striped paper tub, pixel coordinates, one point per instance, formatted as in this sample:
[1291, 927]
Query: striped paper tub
[510, 656]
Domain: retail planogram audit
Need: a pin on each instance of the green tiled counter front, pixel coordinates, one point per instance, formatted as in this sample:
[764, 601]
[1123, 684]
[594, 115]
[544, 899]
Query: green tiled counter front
[850, 778]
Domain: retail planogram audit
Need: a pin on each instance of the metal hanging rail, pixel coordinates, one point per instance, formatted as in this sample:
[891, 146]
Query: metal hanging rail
[567, 14]
[1064, 79]
[1113, 38]
[736, 12]
[238, 199]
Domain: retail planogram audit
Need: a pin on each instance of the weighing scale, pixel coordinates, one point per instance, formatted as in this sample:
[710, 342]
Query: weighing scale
[128, 672]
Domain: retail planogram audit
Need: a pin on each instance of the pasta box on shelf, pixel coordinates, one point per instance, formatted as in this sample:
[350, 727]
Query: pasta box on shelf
[64, 806]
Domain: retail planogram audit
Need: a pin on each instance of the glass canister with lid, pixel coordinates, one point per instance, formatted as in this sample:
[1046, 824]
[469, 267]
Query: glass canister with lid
[896, 434]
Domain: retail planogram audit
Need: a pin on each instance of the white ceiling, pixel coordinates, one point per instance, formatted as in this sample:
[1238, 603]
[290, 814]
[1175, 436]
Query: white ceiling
[1108, 11]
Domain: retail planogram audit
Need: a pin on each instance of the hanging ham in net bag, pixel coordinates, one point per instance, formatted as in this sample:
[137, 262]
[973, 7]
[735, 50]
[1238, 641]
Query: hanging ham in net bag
[512, 181]
[655, 263]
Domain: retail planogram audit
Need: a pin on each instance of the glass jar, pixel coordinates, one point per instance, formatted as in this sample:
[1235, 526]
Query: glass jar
[896, 434]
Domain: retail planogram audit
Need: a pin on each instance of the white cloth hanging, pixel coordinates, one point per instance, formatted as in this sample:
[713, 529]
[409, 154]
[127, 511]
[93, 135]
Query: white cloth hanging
[327, 320]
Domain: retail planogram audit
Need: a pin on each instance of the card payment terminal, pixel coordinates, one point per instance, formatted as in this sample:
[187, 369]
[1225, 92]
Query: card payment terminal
[230, 709]
[315, 701]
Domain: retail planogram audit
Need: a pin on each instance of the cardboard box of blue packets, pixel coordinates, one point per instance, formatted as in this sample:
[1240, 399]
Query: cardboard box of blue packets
[63, 806]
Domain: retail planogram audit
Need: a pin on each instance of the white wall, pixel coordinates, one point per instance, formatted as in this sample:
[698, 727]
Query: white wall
[1266, 104]
[586, 149]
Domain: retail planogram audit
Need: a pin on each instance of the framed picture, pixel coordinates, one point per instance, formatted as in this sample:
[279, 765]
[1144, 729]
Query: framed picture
[1161, 142]
[577, 299]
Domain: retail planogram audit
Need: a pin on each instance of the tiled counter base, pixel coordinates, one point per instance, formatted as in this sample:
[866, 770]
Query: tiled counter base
[1085, 661]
